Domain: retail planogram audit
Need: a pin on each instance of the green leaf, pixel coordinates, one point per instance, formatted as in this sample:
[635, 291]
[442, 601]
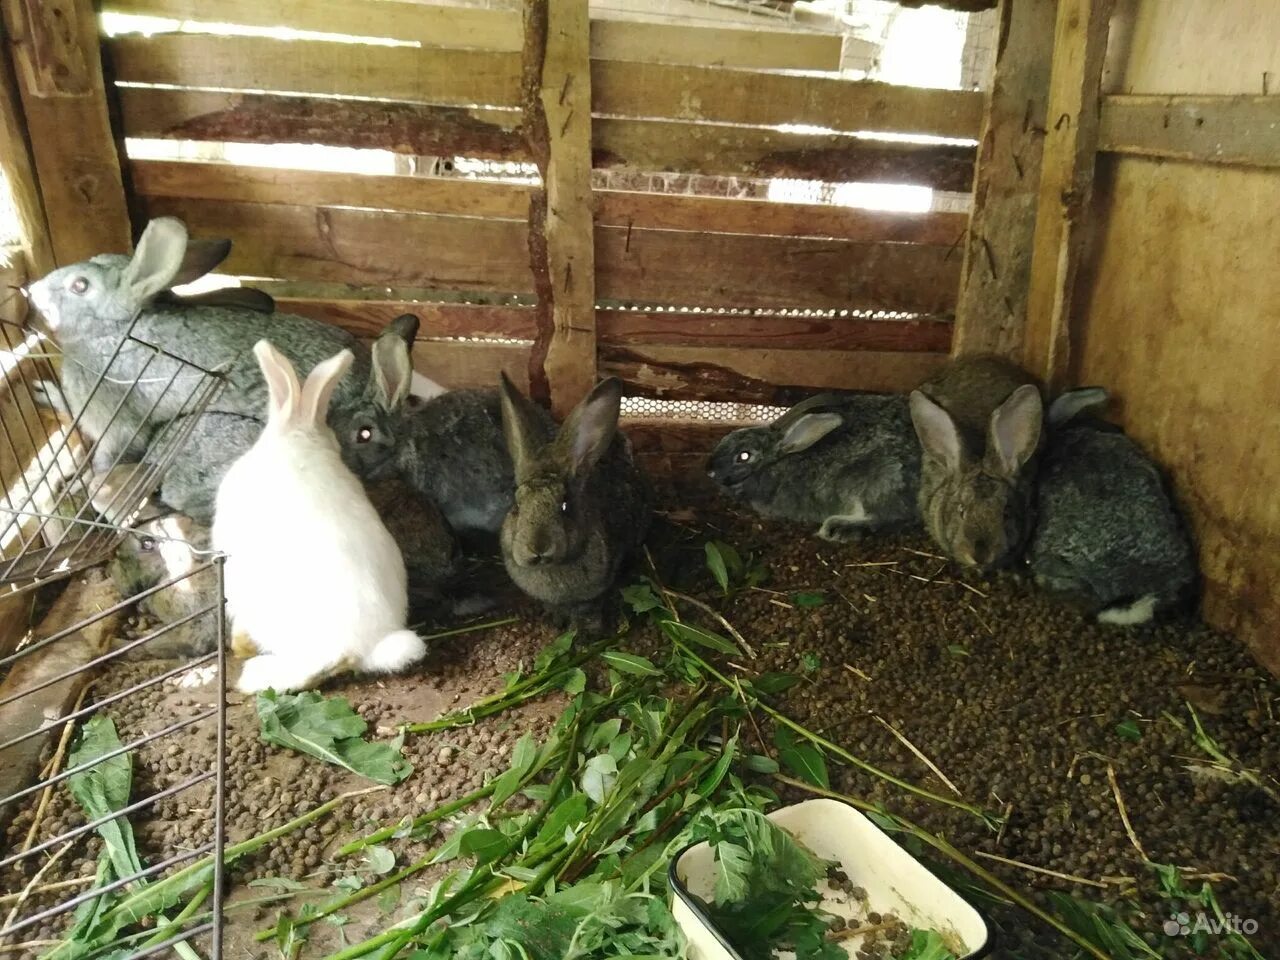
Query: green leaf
[715, 563]
[801, 758]
[685, 633]
[575, 682]
[104, 788]
[774, 683]
[380, 860]
[630, 663]
[758, 763]
[599, 776]
[927, 945]
[958, 650]
[810, 662]
[553, 651]
[523, 757]
[808, 599]
[1128, 729]
[283, 884]
[330, 730]
[641, 598]
[485, 844]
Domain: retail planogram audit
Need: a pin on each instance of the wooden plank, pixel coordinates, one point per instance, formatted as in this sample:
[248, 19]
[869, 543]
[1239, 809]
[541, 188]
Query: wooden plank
[1066, 186]
[439, 75]
[19, 172]
[761, 376]
[728, 270]
[622, 327]
[649, 266]
[997, 256]
[758, 152]
[565, 350]
[474, 364]
[454, 77]
[499, 30]
[55, 50]
[424, 130]
[479, 198]
[1242, 131]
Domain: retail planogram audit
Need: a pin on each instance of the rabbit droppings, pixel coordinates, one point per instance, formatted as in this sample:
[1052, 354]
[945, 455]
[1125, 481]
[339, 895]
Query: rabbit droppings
[313, 577]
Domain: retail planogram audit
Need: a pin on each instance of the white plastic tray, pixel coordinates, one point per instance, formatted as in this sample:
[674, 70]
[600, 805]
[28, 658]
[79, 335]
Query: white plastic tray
[895, 882]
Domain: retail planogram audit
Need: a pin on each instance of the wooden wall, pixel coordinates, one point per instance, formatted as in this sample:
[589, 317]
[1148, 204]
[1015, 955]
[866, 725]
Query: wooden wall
[1180, 299]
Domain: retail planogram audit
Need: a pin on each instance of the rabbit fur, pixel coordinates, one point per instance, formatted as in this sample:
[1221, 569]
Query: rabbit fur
[313, 578]
[1108, 535]
[850, 464]
[581, 507]
[979, 423]
[89, 307]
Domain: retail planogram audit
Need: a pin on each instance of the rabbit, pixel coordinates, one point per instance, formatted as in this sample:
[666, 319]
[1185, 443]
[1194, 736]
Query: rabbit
[581, 508]
[848, 463]
[425, 539]
[979, 423]
[449, 448]
[1108, 534]
[89, 307]
[314, 580]
[162, 546]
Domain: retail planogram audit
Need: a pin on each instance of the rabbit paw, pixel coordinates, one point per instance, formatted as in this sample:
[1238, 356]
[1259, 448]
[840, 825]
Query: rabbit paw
[843, 529]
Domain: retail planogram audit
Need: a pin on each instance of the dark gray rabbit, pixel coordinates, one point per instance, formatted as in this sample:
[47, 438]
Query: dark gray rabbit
[450, 448]
[980, 423]
[850, 464]
[89, 307]
[581, 507]
[1108, 535]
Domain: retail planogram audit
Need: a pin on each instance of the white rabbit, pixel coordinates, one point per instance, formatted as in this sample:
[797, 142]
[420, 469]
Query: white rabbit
[313, 578]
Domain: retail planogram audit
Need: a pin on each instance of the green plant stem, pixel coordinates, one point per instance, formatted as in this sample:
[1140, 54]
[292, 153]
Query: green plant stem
[167, 930]
[471, 628]
[431, 816]
[988, 818]
[956, 856]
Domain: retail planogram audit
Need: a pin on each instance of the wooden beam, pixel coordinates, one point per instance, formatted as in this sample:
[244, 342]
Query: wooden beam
[19, 171]
[565, 352]
[1066, 185]
[650, 145]
[55, 50]
[677, 267]
[813, 331]
[1243, 131]
[761, 376]
[997, 256]
[448, 196]
[468, 78]
[500, 30]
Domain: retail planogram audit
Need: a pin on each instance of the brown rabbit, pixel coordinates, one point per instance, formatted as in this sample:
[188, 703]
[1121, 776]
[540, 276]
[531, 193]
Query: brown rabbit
[979, 423]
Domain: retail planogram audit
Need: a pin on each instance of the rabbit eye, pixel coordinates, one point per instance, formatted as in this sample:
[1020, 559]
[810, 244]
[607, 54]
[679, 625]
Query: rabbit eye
[147, 544]
[79, 285]
[744, 456]
[364, 435]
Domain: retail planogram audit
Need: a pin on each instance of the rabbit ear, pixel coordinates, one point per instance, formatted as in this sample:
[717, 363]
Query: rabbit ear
[590, 428]
[807, 431]
[1014, 431]
[1074, 402]
[156, 262]
[938, 435]
[392, 364]
[519, 426]
[318, 390]
[201, 257]
[282, 382]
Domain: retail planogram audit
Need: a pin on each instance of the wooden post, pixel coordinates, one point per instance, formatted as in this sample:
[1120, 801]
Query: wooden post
[15, 161]
[997, 258]
[557, 104]
[1066, 184]
[59, 76]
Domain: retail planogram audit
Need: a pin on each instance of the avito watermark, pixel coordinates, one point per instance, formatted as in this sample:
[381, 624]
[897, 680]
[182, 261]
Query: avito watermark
[1185, 924]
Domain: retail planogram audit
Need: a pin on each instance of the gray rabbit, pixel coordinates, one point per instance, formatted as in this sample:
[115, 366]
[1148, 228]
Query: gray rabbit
[1108, 534]
[582, 507]
[979, 423]
[848, 463]
[89, 307]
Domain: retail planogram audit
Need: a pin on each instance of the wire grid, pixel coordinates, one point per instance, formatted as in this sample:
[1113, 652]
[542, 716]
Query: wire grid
[64, 684]
[62, 513]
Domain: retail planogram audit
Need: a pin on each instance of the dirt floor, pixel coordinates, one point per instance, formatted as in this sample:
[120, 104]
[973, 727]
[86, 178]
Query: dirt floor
[1080, 735]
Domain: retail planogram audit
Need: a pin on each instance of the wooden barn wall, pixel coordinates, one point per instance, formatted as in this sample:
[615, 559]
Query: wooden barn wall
[1181, 302]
